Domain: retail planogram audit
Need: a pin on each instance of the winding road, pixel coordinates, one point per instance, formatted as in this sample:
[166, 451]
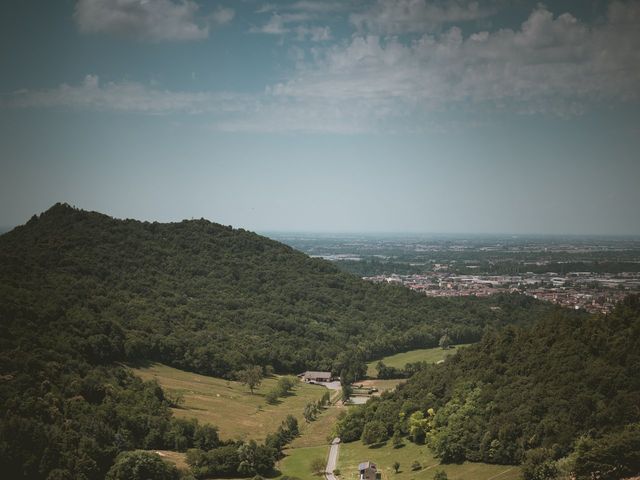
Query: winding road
[333, 459]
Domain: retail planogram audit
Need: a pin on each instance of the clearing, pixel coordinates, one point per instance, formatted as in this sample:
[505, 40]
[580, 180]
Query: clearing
[230, 405]
[399, 360]
[351, 454]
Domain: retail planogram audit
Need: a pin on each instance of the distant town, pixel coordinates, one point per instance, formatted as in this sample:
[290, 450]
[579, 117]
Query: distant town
[591, 292]
[590, 273]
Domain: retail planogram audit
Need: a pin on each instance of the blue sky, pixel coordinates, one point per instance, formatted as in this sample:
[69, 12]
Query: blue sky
[345, 116]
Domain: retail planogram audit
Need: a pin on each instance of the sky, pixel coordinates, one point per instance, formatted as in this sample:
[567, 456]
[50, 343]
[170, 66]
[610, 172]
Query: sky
[434, 116]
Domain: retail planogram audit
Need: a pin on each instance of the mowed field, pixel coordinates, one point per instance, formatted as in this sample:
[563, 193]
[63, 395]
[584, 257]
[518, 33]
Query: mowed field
[230, 405]
[399, 360]
[351, 454]
[297, 462]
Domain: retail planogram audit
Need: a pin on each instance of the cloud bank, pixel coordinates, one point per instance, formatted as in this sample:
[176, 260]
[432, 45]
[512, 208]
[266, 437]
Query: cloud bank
[145, 20]
[551, 64]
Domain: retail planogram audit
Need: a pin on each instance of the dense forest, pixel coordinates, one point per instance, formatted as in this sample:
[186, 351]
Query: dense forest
[81, 292]
[560, 396]
[209, 298]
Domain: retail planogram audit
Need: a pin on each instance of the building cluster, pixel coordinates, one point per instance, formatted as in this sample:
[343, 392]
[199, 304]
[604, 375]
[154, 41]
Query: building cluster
[594, 292]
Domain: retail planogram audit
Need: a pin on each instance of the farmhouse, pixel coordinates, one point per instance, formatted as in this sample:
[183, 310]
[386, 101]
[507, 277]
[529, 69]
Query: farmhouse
[368, 471]
[316, 376]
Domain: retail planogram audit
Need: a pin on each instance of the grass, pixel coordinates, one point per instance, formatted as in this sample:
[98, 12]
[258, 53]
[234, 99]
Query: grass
[351, 454]
[297, 462]
[319, 431]
[381, 385]
[229, 405]
[399, 360]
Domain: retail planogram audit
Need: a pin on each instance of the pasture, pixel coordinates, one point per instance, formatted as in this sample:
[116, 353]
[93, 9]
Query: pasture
[399, 360]
[351, 454]
[229, 405]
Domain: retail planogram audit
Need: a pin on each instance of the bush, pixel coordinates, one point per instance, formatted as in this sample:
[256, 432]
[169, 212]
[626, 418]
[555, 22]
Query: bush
[271, 397]
[317, 466]
[440, 475]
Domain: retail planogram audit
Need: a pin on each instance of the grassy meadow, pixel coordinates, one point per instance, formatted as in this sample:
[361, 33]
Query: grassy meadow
[230, 406]
[351, 454]
[297, 462]
[399, 360]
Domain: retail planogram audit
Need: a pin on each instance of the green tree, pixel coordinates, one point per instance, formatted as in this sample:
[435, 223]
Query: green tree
[271, 397]
[140, 465]
[396, 440]
[539, 465]
[374, 432]
[251, 377]
[286, 385]
[445, 342]
[347, 391]
[440, 475]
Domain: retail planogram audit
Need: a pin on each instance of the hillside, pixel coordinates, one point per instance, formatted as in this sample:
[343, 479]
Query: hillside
[205, 297]
[561, 396]
[81, 291]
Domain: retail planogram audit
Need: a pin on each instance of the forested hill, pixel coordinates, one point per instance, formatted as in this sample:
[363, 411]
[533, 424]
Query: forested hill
[563, 397]
[206, 297]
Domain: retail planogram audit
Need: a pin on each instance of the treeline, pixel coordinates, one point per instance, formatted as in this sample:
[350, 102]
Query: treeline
[242, 459]
[560, 397]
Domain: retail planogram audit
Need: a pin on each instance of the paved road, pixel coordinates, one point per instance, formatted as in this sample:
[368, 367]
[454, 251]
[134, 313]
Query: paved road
[332, 460]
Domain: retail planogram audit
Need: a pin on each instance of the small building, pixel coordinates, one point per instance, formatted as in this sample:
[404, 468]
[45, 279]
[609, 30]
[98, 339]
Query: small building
[368, 471]
[312, 377]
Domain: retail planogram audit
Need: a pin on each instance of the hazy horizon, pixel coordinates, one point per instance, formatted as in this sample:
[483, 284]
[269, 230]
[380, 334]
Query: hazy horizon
[366, 116]
[369, 233]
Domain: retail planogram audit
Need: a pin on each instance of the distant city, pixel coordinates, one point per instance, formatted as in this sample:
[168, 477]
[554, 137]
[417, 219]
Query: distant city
[590, 273]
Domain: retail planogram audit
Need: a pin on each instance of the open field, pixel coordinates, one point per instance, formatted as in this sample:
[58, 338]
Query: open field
[399, 360]
[297, 462]
[351, 454]
[319, 431]
[229, 405]
[381, 385]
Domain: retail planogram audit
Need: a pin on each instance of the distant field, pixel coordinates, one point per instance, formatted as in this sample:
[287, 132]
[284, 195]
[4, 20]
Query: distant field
[399, 360]
[381, 385]
[351, 454]
[229, 405]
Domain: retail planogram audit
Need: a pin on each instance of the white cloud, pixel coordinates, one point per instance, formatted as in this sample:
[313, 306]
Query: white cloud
[274, 26]
[126, 97]
[417, 16]
[315, 34]
[147, 20]
[551, 64]
[282, 24]
[316, 7]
